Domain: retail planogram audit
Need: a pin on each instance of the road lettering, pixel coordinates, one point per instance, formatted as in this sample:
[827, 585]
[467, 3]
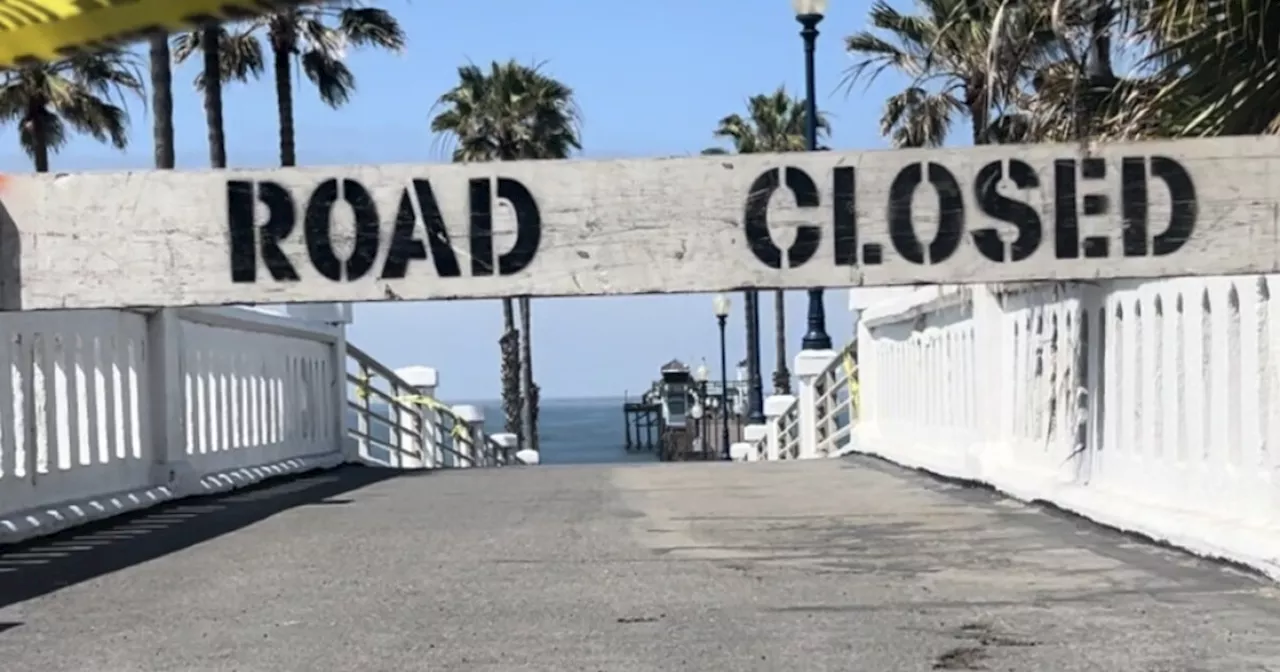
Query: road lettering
[398, 244]
[1072, 185]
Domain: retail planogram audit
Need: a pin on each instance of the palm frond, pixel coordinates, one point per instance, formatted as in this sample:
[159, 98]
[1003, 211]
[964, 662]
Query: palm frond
[775, 122]
[86, 94]
[371, 27]
[915, 117]
[333, 79]
[958, 57]
[511, 111]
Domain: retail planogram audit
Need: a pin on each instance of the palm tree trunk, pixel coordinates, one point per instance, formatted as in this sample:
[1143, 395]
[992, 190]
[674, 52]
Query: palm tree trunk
[979, 130]
[40, 154]
[33, 118]
[212, 47]
[162, 101]
[535, 394]
[526, 376]
[39, 145]
[284, 103]
[979, 115]
[1100, 75]
[781, 377]
[509, 349]
[1100, 70]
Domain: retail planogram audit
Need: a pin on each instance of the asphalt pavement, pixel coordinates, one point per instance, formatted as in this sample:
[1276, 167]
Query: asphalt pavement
[850, 565]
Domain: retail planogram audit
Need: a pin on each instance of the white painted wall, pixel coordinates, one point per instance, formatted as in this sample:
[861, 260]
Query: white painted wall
[1151, 406]
[861, 298]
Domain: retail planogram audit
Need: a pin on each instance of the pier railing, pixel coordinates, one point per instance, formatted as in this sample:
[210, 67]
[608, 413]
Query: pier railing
[819, 421]
[106, 411]
[401, 425]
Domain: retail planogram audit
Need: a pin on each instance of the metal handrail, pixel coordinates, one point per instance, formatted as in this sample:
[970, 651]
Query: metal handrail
[423, 422]
[789, 433]
[835, 395]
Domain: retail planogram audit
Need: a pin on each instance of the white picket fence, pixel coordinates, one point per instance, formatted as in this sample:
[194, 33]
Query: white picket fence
[106, 411]
[1152, 406]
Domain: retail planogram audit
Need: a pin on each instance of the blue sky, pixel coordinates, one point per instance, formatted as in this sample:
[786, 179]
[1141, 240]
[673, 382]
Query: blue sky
[652, 78]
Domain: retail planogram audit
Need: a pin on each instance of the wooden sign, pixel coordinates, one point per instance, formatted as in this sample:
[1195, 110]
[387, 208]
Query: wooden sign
[577, 228]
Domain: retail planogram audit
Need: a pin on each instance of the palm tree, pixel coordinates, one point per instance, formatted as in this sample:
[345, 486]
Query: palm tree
[1205, 68]
[775, 122]
[508, 113]
[232, 58]
[1214, 62]
[947, 52]
[162, 101]
[312, 37]
[529, 409]
[316, 37]
[1074, 93]
[83, 94]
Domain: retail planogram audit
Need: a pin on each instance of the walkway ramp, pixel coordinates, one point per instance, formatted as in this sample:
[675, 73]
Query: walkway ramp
[809, 565]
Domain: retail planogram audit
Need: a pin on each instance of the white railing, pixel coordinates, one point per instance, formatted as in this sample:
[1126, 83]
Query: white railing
[836, 404]
[788, 433]
[73, 409]
[820, 421]
[257, 391]
[397, 424]
[1153, 406]
[107, 411]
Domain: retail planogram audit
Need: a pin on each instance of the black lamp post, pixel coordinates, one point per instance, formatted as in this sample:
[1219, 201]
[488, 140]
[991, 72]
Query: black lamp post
[809, 14]
[721, 305]
[755, 394]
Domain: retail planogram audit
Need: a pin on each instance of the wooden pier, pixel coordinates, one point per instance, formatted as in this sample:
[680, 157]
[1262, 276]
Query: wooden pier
[643, 426]
[684, 417]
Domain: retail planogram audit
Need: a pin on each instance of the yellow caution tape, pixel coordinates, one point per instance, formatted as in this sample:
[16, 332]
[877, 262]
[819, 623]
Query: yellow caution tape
[33, 31]
[460, 428]
[362, 387]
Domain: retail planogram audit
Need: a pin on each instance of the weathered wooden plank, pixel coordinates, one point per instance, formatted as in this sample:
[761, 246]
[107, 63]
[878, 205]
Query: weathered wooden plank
[644, 226]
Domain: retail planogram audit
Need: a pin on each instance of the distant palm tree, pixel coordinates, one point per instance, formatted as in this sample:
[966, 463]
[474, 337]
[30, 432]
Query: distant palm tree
[84, 94]
[512, 112]
[945, 51]
[313, 37]
[316, 37]
[223, 53]
[507, 113]
[775, 122]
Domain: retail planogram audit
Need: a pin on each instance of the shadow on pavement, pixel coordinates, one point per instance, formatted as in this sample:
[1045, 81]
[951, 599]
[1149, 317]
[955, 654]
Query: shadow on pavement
[44, 565]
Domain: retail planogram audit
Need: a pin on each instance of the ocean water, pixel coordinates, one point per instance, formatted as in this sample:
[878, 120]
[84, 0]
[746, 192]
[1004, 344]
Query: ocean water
[576, 431]
[572, 431]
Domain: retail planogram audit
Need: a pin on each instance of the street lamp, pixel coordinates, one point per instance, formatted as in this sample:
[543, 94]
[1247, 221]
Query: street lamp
[755, 395]
[721, 306]
[701, 404]
[809, 14]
